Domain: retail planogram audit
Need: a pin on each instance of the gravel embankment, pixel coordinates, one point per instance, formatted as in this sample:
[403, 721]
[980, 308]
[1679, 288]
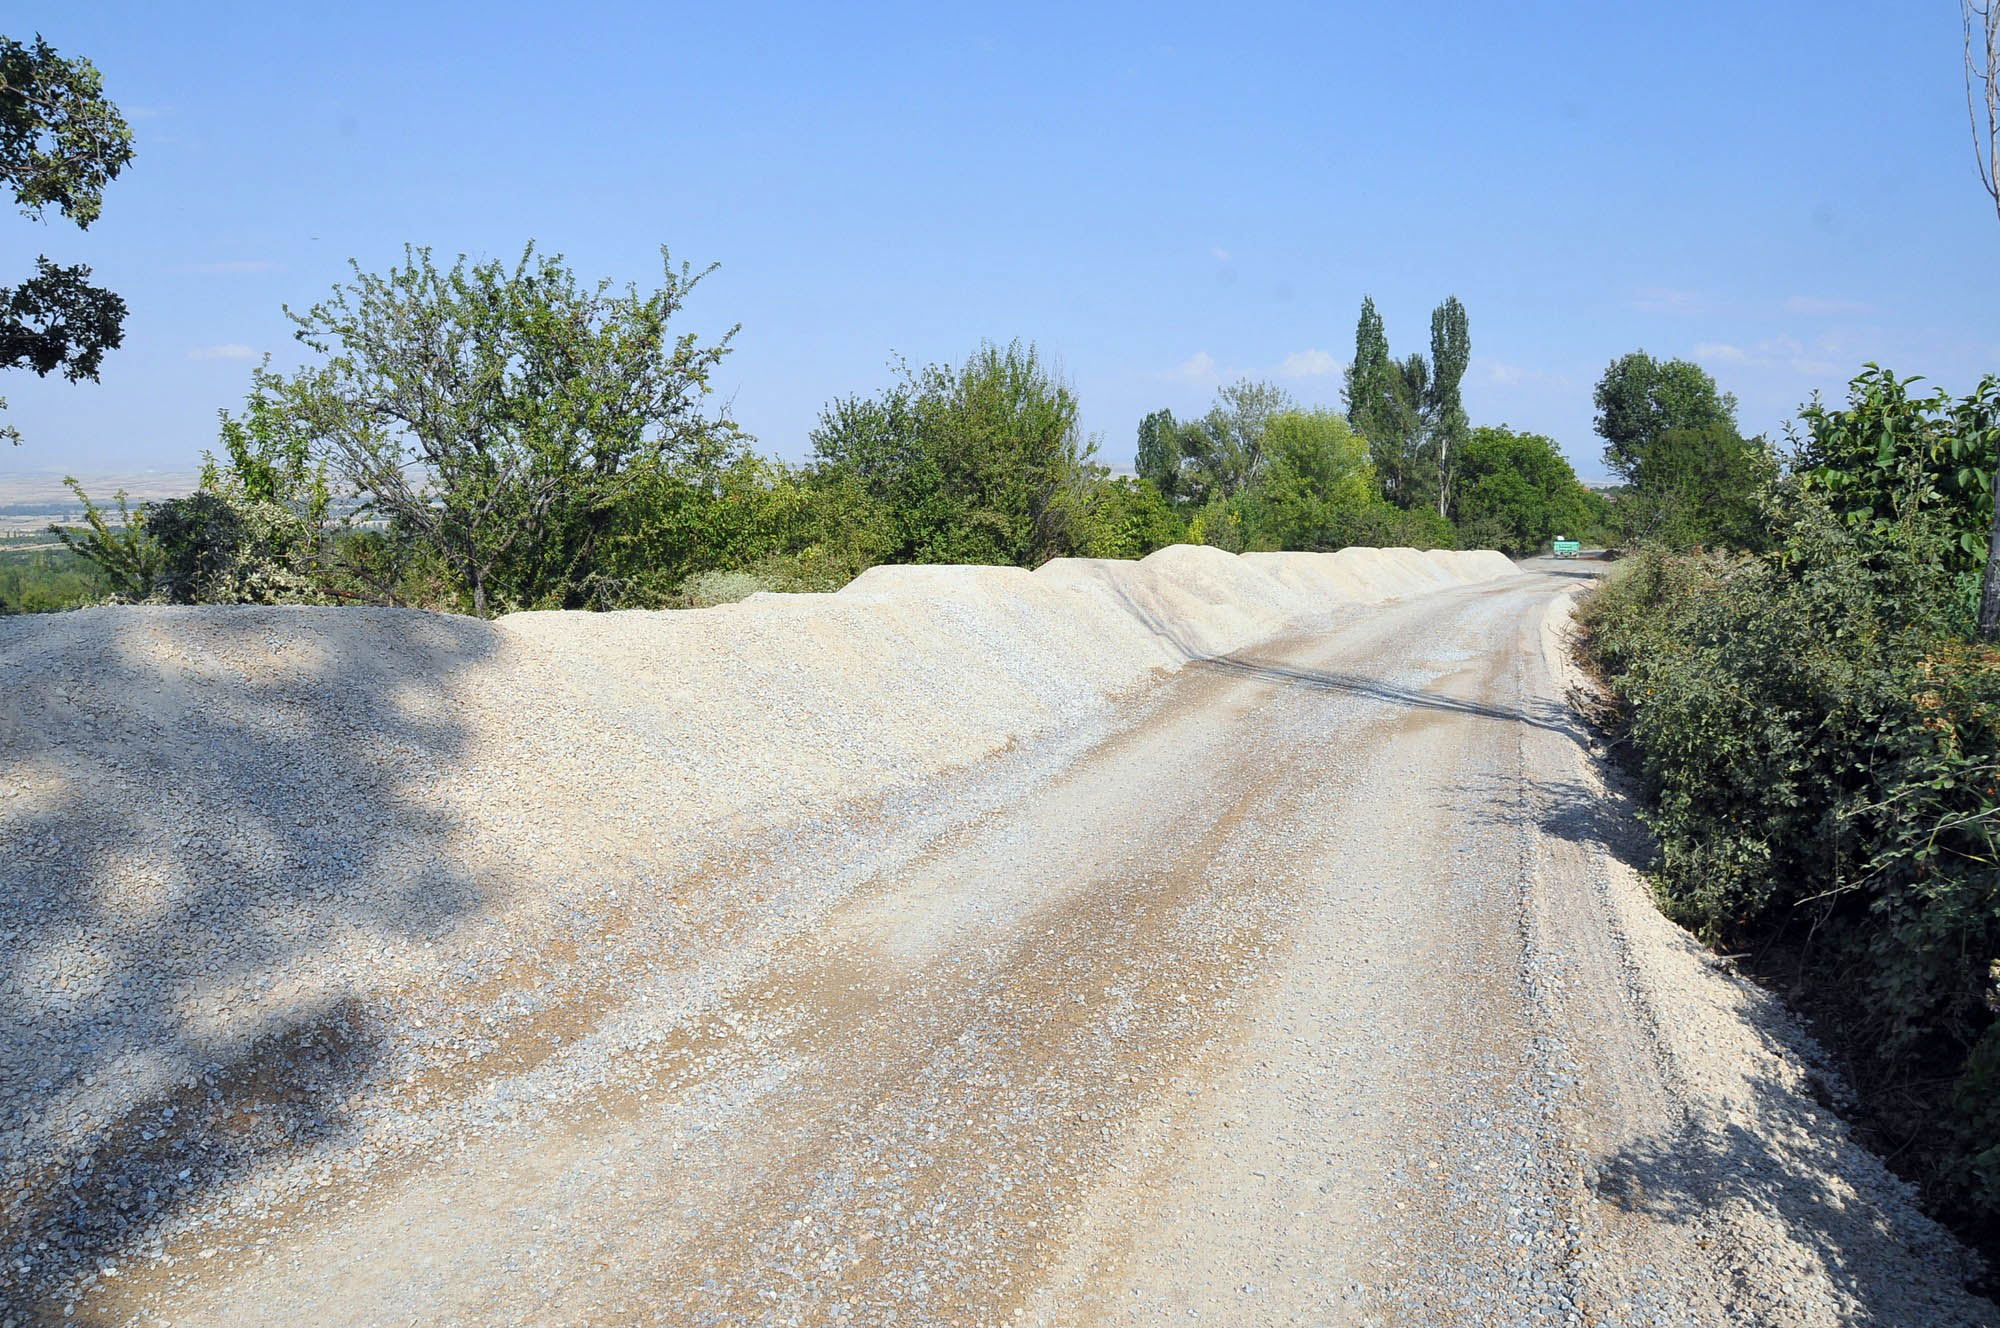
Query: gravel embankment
[1201, 940]
[283, 884]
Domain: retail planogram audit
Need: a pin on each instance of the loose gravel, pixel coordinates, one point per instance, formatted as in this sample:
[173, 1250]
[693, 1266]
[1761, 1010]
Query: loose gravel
[1206, 939]
[281, 883]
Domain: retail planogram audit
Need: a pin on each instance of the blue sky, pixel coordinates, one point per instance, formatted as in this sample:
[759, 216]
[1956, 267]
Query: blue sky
[1161, 196]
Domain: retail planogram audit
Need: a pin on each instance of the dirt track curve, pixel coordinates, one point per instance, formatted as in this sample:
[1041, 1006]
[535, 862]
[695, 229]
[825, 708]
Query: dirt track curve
[1309, 985]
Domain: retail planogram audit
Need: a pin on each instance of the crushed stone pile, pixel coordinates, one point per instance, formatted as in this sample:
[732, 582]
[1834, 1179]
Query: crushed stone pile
[275, 879]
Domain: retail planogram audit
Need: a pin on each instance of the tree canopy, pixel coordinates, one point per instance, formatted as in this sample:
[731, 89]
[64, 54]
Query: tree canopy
[982, 462]
[1318, 480]
[1517, 491]
[1410, 410]
[61, 143]
[1639, 398]
[497, 412]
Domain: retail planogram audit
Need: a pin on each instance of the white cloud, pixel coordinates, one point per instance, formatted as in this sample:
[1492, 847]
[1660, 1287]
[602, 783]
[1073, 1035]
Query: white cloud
[1812, 304]
[1308, 364]
[1784, 353]
[1197, 368]
[238, 266]
[1221, 254]
[1659, 300]
[230, 351]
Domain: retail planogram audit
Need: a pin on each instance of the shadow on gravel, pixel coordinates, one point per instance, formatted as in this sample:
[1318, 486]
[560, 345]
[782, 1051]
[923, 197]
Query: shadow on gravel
[1552, 718]
[1898, 1267]
[200, 811]
[1569, 810]
[287, 1092]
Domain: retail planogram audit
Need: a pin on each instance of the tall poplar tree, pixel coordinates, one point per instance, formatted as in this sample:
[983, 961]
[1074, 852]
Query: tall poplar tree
[1379, 406]
[1444, 408]
[1410, 410]
[1158, 458]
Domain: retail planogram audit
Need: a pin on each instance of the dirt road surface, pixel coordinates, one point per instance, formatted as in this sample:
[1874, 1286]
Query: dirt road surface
[1313, 986]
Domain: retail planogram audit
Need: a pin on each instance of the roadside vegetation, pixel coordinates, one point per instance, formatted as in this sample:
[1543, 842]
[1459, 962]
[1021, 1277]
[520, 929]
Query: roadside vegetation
[1816, 729]
[487, 436]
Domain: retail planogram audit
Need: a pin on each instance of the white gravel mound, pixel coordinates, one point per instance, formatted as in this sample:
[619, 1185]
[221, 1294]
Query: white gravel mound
[229, 827]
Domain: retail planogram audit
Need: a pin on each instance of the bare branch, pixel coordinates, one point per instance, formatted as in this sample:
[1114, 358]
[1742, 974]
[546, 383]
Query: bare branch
[1982, 84]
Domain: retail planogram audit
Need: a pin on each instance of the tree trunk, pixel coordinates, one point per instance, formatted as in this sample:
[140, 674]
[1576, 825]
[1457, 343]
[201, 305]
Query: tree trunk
[478, 596]
[1989, 587]
[1444, 478]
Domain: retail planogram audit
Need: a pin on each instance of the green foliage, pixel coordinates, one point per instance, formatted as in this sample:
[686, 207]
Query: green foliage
[1318, 483]
[1380, 405]
[1517, 492]
[982, 463]
[1128, 517]
[1410, 410]
[791, 529]
[1639, 398]
[1820, 747]
[1157, 460]
[128, 558]
[57, 320]
[705, 590]
[1698, 486]
[1383, 525]
[215, 549]
[1890, 456]
[48, 580]
[498, 415]
[267, 454]
[61, 143]
[1218, 457]
[1444, 409]
[204, 548]
[1220, 524]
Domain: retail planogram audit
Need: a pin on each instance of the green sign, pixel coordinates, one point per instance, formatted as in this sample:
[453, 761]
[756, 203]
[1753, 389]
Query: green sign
[1566, 548]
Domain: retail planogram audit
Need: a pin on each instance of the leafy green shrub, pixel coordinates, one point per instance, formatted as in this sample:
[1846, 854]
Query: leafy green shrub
[796, 529]
[215, 550]
[1317, 478]
[1890, 457]
[1126, 517]
[983, 462]
[705, 589]
[128, 558]
[1820, 747]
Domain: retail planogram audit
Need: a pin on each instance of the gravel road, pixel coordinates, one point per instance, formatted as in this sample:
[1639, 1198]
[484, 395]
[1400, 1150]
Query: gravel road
[1311, 984]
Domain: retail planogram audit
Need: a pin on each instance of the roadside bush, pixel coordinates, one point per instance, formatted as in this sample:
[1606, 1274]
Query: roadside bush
[1126, 517]
[1383, 525]
[1317, 478]
[983, 462]
[793, 529]
[1890, 457]
[1820, 746]
[213, 550]
[705, 589]
[1699, 487]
